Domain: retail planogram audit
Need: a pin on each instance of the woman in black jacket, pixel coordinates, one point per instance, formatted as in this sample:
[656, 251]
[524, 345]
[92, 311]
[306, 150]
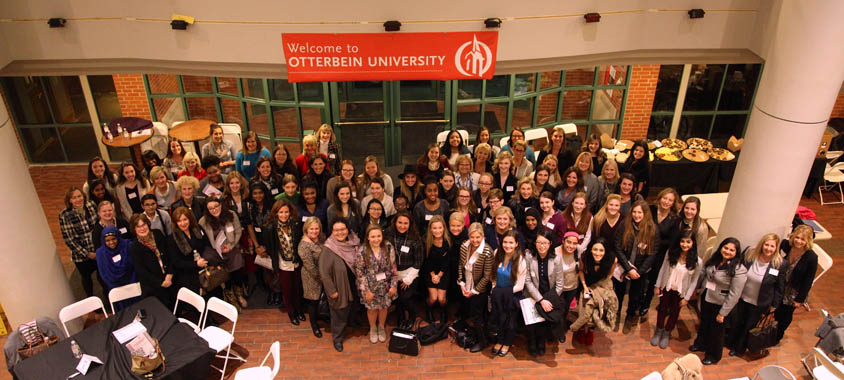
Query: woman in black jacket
[802, 265]
[188, 187]
[185, 247]
[664, 213]
[281, 238]
[636, 250]
[410, 253]
[762, 292]
[152, 264]
[638, 165]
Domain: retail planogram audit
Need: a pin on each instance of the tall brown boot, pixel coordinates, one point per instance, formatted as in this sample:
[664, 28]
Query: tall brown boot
[239, 294]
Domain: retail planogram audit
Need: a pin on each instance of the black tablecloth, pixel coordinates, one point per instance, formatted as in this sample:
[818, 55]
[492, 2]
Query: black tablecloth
[187, 356]
[689, 177]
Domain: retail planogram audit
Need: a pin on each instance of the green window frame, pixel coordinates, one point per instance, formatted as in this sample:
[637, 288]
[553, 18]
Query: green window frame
[247, 101]
[533, 96]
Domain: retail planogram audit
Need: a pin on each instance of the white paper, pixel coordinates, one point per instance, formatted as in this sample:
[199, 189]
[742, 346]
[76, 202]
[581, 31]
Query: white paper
[657, 143]
[529, 312]
[85, 363]
[142, 132]
[116, 258]
[129, 332]
[219, 241]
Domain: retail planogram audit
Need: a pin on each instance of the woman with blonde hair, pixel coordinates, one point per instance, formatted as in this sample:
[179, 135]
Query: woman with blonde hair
[522, 167]
[186, 196]
[193, 167]
[503, 174]
[483, 158]
[608, 179]
[327, 146]
[664, 212]
[164, 189]
[474, 275]
[309, 250]
[553, 164]
[464, 176]
[372, 170]
[802, 265]
[762, 292]
[592, 145]
[591, 185]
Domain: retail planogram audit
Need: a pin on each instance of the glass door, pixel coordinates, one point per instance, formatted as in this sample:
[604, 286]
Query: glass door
[393, 121]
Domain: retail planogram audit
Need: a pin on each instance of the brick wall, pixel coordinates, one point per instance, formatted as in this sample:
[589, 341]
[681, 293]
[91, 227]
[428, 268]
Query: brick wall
[838, 108]
[640, 99]
[131, 95]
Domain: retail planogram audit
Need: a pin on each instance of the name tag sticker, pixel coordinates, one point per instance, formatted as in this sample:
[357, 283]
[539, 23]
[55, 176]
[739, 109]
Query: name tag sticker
[774, 272]
[381, 276]
[229, 228]
[122, 230]
[246, 163]
[332, 156]
[257, 229]
[710, 285]
[549, 225]
[132, 195]
[488, 220]
[304, 218]
[509, 188]
[405, 249]
[428, 217]
[479, 210]
[116, 258]
[274, 191]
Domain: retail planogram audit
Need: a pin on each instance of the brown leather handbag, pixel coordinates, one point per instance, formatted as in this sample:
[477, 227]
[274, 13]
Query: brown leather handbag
[142, 365]
[31, 350]
[213, 276]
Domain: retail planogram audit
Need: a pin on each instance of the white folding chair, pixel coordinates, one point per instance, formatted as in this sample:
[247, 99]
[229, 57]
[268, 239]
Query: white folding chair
[773, 372]
[233, 134]
[262, 372]
[444, 134]
[653, 376]
[824, 260]
[503, 141]
[159, 142]
[188, 296]
[217, 338]
[832, 177]
[78, 309]
[123, 293]
[536, 134]
[568, 128]
[824, 368]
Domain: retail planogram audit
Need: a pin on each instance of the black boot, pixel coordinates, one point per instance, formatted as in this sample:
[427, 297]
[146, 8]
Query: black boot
[301, 315]
[443, 314]
[293, 319]
[480, 333]
[429, 314]
[315, 328]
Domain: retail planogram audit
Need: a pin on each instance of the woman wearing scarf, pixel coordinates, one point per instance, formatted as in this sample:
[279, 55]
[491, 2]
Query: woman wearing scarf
[281, 241]
[346, 246]
[185, 246]
[222, 226]
[114, 263]
[151, 262]
[337, 278]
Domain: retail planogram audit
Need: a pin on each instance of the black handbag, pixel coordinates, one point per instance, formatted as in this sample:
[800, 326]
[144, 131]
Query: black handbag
[323, 311]
[764, 335]
[464, 337]
[404, 342]
[432, 333]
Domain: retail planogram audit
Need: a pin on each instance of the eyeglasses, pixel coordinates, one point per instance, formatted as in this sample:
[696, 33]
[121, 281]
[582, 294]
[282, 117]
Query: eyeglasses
[463, 196]
[376, 209]
[485, 184]
[538, 242]
[217, 207]
[347, 170]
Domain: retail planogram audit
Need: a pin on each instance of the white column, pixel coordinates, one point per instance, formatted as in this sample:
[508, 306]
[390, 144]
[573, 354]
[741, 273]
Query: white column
[802, 75]
[33, 282]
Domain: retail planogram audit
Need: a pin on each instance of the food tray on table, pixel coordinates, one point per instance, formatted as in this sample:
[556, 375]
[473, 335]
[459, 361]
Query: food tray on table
[721, 154]
[695, 155]
[673, 143]
[699, 143]
[669, 154]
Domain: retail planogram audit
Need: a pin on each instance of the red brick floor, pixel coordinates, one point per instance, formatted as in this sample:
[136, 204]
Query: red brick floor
[613, 356]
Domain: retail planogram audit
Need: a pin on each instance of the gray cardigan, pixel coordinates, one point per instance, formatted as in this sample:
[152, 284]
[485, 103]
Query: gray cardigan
[555, 275]
[689, 283]
[727, 289]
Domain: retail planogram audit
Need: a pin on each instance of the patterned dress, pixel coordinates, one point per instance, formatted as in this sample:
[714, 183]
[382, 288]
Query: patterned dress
[378, 276]
[311, 284]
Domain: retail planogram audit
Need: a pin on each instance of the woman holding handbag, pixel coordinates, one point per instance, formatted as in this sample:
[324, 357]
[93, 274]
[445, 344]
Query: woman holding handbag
[802, 265]
[282, 236]
[186, 247]
[222, 226]
[762, 292]
[309, 251]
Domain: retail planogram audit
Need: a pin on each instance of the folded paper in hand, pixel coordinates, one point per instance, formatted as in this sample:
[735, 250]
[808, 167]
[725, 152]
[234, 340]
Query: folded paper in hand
[529, 311]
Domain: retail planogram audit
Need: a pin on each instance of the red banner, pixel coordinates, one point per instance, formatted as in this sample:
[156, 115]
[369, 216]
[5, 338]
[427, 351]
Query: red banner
[313, 57]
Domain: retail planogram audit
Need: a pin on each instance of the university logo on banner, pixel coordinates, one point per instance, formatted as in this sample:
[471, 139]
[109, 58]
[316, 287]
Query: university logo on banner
[389, 56]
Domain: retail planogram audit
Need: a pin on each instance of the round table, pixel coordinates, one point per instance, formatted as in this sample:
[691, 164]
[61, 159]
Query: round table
[132, 143]
[192, 131]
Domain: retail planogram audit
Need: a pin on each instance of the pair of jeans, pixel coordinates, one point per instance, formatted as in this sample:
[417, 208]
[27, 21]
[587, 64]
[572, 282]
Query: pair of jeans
[668, 310]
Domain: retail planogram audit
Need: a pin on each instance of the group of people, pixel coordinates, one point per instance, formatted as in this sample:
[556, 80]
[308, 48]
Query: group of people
[482, 227]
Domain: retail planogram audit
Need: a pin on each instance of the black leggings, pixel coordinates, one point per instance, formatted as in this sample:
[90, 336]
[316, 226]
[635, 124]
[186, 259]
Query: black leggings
[404, 302]
[710, 336]
[636, 293]
[86, 268]
[783, 315]
[238, 278]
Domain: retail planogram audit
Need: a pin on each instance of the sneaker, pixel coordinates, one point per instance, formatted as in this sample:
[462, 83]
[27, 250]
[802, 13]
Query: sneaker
[382, 334]
[373, 336]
